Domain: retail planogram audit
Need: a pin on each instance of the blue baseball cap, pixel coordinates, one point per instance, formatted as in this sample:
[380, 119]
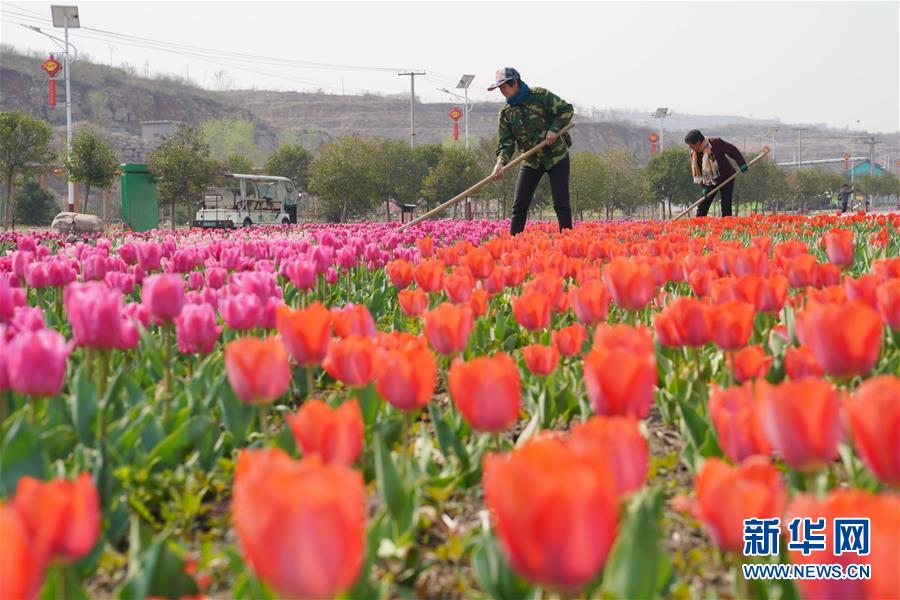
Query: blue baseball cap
[503, 75]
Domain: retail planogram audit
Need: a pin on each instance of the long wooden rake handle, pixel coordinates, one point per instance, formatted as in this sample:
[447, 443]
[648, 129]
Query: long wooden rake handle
[765, 151]
[481, 183]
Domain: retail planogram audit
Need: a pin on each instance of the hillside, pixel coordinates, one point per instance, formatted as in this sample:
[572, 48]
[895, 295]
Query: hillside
[119, 99]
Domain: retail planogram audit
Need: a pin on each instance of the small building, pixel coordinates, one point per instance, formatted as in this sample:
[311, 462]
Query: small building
[153, 132]
[864, 168]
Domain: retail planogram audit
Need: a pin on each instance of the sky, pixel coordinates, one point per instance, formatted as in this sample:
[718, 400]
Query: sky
[802, 62]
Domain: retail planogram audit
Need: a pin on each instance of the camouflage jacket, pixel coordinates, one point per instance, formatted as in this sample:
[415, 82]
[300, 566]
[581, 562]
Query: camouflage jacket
[525, 125]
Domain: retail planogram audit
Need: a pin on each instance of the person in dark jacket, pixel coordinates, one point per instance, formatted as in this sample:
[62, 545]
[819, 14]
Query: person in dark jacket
[709, 168]
[529, 117]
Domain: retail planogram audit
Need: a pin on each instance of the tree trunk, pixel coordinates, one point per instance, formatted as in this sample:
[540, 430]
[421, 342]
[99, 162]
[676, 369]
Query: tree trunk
[172, 217]
[87, 199]
[8, 193]
[387, 208]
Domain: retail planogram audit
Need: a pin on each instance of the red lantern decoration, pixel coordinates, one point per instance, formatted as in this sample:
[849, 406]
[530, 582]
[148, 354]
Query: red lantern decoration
[653, 139]
[52, 66]
[846, 161]
[455, 114]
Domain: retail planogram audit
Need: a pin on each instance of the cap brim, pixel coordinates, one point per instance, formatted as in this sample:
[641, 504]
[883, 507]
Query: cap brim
[498, 84]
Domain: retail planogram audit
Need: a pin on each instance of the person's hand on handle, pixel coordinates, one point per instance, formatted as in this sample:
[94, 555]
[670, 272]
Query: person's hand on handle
[551, 137]
[498, 172]
[743, 168]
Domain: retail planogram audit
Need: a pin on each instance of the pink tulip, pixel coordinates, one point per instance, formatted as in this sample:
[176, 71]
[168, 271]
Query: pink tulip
[93, 268]
[97, 317]
[196, 329]
[36, 362]
[163, 295]
[241, 311]
[216, 277]
[128, 252]
[10, 298]
[301, 273]
[150, 256]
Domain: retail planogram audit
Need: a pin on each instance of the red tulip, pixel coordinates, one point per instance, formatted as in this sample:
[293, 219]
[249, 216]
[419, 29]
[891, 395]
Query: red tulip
[532, 310]
[618, 442]
[334, 435]
[554, 287]
[845, 338]
[685, 321]
[701, 280]
[590, 302]
[301, 524]
[552, 532]
[888, 296]
[734, 414]
[447, 327]
[750, 363]
[887, 268]
[753, 489]
[258, 370]
[540, 360]
[514, 276]
[620, 372]
[353, 360]
[864, 288]
[413, 302]
[353, 319]
[62, 516]
[480, 263]
[732, 323]
[774, 294]
[459, 285]
[801, 271]
[408, 376]
[306, 332]
[630, 282]
[873, 416]
[801, 362]
[883, 512]
[400, 273]
[479, 303]
[486, 390]
[839, 246]
[569, 340]
[802, 421]
[21, 565]
[826, 275]
[429, 275]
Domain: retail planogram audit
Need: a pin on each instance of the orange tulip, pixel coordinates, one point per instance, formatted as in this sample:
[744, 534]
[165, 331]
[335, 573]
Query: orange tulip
[827, 295]
[624, 337]
[747, 261]
[864, 288]
[685, 321]
[590, 302]
[883, 512]
[480, 263]
[569, 340]
[887, 268]
[258, 370]
[479, 303]
[750, 363]
[826, 275]
[540, 360]
[514, 276]
[305, 332]
[873, 416]
[801, 362]
[701, 281]
[486, 390]
[532, 310]
[802, 421]
[408, 376]
[553, 532]
[630, 282]
[845, 338]
[353, 360]
[429, 275]
[774, 294]
[333, 435]
[732, 323]
[734, 415]
[495, 282]
[447, 327]
[801, 271]
[425, 246]
[400, 272]
[754, 490]
[413, 302]
[839, 246]
[888, 296]
[301, 524]
[353, 319]
[620, 381]
[458, 285]
[554, 287]
[21, 565]
[785, 251]
[618, 442]
[63, 517]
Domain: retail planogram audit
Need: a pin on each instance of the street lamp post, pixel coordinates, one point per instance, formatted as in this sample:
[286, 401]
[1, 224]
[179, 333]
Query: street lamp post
[464, 82]
[661, 114]
[66, 17]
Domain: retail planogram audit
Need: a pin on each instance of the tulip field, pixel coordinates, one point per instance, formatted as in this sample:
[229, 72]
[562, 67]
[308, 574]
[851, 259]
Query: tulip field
[447, 411]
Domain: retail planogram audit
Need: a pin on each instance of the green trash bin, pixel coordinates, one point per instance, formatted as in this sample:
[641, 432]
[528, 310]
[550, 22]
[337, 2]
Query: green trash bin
[140, 205]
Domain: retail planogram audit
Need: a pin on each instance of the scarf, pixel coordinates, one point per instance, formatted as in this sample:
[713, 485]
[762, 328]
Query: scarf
[519, 96]
[708, 171]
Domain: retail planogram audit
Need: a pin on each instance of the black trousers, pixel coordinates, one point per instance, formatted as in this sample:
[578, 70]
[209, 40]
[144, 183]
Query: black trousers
[727, 192]
[527, 183]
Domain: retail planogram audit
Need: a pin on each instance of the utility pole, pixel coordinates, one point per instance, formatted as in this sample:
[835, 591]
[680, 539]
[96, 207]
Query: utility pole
[412, 104]
[67, 17]
[772, 131]
[800, 131]
[871, 141]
